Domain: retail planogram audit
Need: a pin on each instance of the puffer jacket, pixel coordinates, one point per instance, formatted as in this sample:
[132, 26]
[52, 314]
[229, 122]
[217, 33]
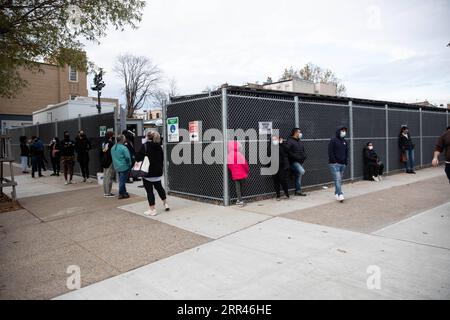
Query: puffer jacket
[237, 164]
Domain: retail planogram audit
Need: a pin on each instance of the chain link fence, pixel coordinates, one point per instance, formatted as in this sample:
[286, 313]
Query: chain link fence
[318, 117]
[47, 131]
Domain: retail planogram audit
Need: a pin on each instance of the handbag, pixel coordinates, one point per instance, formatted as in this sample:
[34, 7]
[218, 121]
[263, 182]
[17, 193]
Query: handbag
[141, 168]
[403, 157]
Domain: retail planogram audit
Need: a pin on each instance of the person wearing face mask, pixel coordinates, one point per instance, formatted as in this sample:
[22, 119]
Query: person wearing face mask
[55, 157]
[82, 147]
[372, 163]
[338, 159]
[280, 178]
[406, 146]
[67, 152]
[297, 157]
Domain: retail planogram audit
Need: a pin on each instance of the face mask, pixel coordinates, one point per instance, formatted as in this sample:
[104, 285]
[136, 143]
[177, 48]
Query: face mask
[300, 136]
[370, 148]
[275, 142]
[343, 134]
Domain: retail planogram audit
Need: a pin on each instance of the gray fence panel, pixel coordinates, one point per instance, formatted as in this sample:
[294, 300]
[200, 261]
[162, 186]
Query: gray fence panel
[368, 122]
[319, 121]
[397, 118]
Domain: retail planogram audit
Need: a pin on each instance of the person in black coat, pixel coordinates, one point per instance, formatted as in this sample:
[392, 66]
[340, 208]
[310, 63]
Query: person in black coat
[153, 150]
[338, 159]
[374, 167]
[55, 157]
[24, 154]
[406, 146]
[297, 157]
[280, 178]
[82, 147]
[130, 146]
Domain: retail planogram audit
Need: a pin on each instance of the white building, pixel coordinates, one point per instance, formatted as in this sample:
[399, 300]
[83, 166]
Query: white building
[70, 109]
[303, 86]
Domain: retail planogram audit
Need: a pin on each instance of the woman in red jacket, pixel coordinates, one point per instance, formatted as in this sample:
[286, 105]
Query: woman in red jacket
[238, 167]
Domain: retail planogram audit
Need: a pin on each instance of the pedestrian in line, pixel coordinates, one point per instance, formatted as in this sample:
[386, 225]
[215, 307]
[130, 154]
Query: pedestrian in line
[148, 137]
[153, 150]
[24, 154]
[122, 164]
[238, 166]
[129, 143]
[67, 152]
[55, 156]
[297, 157]
[82, 147]
[107, 164]
[36, 152]
[443, 145]
[406, 146]
[280, 178]
[372, 163]
[338, 160]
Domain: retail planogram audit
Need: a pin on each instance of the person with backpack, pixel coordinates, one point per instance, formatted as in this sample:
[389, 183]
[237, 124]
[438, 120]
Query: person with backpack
[238, 166]
[82, 147]
[153, 150]
[67, 151]
[107, 164]
[122, 164]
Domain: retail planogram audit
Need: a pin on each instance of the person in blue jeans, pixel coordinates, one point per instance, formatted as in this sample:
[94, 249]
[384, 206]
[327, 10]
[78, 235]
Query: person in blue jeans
[122, 164]
[297, 157]
[338, 160]
[406, 146]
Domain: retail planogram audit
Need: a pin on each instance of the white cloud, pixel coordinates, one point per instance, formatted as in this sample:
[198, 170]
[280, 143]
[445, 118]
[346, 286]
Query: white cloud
[381, 49]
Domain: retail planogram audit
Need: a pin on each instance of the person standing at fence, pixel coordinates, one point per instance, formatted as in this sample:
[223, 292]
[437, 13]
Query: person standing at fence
[129, 143]
[82, 147]
[107, 164]
[36, 152]
[297, 157]
[406, 146]
[238, 166]
[372, 163]
[55, 156]
[67, 151]
[153, 150]
[280, 179]
[443, 145]
[338, 160]
[24, 154]
[122, 164]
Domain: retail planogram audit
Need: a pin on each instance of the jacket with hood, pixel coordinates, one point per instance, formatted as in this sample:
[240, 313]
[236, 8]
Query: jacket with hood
[338, 148]
[37, 148]
[296, 150]
[237, 164]
[67, 148]
[82, 147]
[370, 156]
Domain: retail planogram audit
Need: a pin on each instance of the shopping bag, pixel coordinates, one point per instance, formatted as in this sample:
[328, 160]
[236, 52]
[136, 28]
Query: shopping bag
[140, 169]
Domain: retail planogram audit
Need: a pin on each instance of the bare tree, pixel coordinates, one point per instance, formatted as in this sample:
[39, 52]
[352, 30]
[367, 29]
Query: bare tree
[141, 78]
[316, 74]
[161, 95]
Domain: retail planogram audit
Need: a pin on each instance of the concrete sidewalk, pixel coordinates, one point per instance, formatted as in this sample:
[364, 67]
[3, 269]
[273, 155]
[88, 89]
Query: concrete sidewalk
[301, 248]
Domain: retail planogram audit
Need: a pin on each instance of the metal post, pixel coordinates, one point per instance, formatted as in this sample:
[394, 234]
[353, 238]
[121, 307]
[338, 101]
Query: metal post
[421, 138]
[297, 112]
[447, 117]
[386, 108]
[56, 128]
[116, 113]
[352, 154]
[37, 129]
[226, 193]
[166, 156]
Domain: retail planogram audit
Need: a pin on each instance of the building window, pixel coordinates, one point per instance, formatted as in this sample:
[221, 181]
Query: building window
[73, 74]
[157, 116]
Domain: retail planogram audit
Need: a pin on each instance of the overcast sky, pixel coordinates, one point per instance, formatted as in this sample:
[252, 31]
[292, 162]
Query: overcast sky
[385, 50]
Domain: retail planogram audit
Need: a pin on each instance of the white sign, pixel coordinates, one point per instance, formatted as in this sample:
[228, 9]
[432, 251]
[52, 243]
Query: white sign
[194, 135]
[265, 128]
[173, 132]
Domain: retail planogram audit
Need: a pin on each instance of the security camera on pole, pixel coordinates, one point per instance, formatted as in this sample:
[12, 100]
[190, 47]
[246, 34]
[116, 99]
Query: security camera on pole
[99, 84]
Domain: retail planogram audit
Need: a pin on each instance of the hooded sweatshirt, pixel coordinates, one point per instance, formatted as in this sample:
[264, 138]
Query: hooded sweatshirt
[338, 148]
[237, 164]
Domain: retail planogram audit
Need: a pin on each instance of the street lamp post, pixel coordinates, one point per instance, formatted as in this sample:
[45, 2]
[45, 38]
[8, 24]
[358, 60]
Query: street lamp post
[99, 84]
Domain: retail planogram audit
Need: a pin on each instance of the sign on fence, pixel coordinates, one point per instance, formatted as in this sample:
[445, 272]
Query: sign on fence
[173, 133]
[194, 131]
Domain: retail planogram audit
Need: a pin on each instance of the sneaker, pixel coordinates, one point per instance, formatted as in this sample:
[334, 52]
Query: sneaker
[380, 178]
[150, 212]
[166, 207]
[278, 198]
[110, 195]
[240, 203]
[84, 179]
[337, 197]
[375, 179]
[341, 198]
[300, 194]
[66, 183]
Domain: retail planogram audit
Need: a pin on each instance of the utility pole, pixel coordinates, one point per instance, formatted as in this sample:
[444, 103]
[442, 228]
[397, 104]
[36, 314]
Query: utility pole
[99, 84]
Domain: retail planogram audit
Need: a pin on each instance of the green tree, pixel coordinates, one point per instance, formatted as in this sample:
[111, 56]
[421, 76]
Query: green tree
[52, 31]
[314, 73]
